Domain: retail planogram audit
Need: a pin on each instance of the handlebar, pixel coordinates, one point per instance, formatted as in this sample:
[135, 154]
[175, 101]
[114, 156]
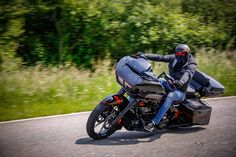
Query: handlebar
[136, 56]
[168, 78]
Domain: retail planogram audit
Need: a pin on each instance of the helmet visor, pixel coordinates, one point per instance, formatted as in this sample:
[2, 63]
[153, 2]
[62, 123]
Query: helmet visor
[180, 54]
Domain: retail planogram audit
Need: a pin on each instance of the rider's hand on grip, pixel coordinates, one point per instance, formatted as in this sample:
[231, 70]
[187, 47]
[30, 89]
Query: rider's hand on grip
[177, 83]
[141, 55]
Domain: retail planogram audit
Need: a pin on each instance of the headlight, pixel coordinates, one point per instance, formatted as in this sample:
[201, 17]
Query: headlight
[120, 80]
[126, 84]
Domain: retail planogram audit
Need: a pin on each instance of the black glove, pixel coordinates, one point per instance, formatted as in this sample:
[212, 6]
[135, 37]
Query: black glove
[141, 55]
[177, 83]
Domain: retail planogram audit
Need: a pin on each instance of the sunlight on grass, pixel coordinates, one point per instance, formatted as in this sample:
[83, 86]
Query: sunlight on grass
[42, 91]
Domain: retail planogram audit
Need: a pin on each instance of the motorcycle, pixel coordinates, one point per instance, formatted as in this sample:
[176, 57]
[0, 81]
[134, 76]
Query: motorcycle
[141, 96]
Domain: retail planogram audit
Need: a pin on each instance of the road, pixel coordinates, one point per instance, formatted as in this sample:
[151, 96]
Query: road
[65, 136]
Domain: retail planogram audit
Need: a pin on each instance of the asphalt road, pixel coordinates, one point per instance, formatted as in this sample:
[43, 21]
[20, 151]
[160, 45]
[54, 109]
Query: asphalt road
[66, 136]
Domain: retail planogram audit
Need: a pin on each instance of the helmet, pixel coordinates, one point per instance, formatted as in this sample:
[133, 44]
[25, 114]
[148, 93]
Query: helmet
[182, 52]
[182, 48]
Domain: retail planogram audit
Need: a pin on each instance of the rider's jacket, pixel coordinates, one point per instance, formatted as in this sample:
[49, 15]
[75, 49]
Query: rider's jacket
[183, 73]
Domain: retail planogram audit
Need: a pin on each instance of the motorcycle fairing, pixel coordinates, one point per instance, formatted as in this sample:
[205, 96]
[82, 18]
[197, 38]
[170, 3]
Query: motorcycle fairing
[131, 69]
[136, 75]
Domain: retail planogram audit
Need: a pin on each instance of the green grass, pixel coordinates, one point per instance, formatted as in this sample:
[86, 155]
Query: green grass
[38, 91]
[33, 92]
[221, 66]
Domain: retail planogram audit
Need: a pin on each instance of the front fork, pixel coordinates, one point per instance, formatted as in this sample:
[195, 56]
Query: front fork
[118, 99]
[129, 106]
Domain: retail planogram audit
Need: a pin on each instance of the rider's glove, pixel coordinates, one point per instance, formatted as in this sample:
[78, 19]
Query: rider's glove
[177, 83]
[141, 55]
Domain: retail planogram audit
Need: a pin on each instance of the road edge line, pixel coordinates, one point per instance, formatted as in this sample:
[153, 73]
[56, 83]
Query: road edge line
[220, 98]
[44, 117]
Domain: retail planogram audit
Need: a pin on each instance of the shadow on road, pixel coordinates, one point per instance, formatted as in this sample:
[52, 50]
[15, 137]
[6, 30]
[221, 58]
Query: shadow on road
[185, 130]
[135, 137]
[122, 138]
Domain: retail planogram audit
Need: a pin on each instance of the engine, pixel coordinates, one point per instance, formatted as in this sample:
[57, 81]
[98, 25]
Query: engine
[147, 111]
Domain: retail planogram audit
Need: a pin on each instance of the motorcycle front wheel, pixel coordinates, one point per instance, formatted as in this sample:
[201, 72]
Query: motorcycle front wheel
[99, 122]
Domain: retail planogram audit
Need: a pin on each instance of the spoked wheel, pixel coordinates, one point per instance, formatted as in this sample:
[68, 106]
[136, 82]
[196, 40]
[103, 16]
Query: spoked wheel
[100, 120]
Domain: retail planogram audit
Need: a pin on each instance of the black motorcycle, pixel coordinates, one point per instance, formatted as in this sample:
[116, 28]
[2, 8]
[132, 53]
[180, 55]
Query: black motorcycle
[141, 96]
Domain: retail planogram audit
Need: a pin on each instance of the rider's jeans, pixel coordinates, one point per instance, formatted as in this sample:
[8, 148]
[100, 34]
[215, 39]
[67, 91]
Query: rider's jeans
[175, 95]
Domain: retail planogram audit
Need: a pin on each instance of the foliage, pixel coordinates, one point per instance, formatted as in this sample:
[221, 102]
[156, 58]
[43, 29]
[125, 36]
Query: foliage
[11, 28]
[218, 13]
[82, 32]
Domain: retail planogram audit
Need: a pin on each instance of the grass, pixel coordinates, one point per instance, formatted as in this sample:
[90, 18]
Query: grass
[221, 66]
[39, 91]
[34, 92]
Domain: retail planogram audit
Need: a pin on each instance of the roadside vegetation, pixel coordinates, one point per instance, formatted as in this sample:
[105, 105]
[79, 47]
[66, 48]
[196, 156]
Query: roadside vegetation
[58, 56]
[39, 91]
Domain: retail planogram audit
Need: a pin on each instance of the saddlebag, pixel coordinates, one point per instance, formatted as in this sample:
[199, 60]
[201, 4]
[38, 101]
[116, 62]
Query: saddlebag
[206, 85]
[196, 111]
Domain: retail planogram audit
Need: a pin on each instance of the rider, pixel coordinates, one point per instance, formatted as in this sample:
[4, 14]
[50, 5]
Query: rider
[182, 68]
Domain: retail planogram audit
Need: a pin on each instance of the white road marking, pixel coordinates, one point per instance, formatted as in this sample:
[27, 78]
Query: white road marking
[79, 113]
[220, 98]
[45, 117]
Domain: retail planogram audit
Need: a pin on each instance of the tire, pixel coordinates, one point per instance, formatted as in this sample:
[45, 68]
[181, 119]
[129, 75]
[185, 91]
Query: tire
[93, 118]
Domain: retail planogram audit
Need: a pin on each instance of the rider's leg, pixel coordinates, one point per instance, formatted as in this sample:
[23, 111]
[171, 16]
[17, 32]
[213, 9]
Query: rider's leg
[172, 96]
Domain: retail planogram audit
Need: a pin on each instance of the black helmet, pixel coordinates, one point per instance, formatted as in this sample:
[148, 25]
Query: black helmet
[182, 48]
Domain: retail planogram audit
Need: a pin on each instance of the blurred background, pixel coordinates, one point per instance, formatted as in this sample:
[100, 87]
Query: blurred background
[58, 56]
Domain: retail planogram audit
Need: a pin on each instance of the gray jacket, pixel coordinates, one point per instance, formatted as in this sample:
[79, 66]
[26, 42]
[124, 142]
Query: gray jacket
[183, 74]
